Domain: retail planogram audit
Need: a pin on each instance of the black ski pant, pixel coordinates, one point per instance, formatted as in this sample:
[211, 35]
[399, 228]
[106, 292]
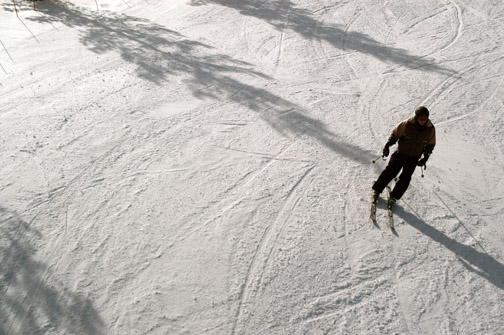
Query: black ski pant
[396, 163]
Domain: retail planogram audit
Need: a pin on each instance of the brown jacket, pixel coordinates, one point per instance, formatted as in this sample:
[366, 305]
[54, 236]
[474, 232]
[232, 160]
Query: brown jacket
[413, 138]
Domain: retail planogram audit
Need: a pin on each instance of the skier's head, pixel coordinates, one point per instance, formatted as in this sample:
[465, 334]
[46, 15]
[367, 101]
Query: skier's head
[421, 115]
[421, 112]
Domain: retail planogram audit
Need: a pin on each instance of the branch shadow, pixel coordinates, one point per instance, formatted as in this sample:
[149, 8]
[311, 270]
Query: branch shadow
[158, 53]
[282, 115]
[473, 260]
[283, 15]
[27, 304]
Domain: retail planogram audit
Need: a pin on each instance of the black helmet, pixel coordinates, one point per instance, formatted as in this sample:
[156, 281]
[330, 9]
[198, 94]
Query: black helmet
[422, 111]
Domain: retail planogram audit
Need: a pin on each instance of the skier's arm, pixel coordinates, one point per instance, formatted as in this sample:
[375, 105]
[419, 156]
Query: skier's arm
[431, 143]
[391, 141]
[429, 146]
[396, 134]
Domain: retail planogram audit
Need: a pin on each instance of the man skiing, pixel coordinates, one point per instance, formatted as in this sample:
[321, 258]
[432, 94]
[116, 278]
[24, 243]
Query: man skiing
[415, 136]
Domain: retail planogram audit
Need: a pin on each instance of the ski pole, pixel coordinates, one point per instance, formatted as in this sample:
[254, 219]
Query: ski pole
[374, 161]
[421, 169]
[15, 7]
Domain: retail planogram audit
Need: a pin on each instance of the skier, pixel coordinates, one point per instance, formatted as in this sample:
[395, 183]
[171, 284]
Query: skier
[415, 136]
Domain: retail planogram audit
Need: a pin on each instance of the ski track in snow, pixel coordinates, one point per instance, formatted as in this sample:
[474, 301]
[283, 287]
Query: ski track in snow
[459, 26]
[262, 255]
[203, 167]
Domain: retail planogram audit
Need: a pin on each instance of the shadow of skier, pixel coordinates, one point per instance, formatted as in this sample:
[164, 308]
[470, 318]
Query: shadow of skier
[476, 261]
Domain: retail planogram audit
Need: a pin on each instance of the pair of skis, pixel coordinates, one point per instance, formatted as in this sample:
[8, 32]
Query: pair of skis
[390, 214]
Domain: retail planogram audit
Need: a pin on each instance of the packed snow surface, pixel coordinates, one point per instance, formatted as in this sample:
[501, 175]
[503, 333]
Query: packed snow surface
[205, 167]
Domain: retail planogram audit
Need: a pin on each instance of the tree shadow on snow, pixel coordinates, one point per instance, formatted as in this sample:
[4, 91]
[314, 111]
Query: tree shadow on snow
[27, 304]
[283, 116]
[159, 53]
[475, 261]
[283, 15]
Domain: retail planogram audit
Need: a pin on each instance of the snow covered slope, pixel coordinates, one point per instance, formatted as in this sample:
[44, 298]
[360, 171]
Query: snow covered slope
[204, 167]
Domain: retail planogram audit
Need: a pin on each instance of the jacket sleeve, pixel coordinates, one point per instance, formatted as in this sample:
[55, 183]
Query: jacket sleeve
[397, 133]
[431, 143]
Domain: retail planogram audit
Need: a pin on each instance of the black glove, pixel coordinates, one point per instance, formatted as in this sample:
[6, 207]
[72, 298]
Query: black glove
[423, 161]
[386, 151]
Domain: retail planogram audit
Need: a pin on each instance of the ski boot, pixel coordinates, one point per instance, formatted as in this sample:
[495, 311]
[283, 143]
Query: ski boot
[391, 201]
[374, 197]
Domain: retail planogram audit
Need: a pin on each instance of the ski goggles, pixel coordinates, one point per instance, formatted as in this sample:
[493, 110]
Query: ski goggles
[423, 118]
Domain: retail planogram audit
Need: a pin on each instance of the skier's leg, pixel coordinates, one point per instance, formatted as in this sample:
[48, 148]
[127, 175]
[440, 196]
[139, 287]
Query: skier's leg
[404, 179]
[392, 169]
